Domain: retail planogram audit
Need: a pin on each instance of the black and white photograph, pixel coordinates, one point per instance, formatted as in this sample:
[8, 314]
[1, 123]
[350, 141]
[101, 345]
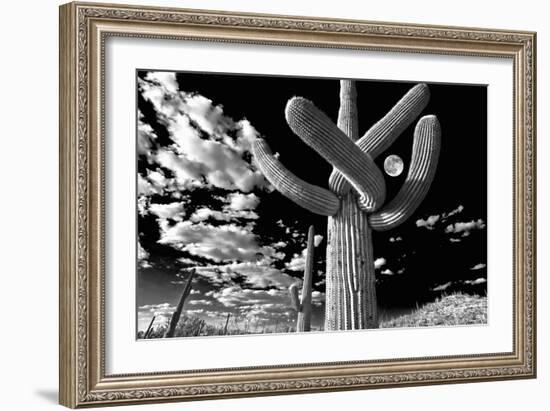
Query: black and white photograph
[277, 204]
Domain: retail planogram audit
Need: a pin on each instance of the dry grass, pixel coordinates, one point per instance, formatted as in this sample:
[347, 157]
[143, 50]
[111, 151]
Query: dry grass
[191, 326]
[455, 309]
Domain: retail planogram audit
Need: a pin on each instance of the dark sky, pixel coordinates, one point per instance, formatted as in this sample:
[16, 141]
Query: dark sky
[440, 249]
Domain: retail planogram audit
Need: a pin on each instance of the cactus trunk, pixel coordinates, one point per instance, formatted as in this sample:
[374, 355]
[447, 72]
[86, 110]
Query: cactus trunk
[351, 292]
[350, 287]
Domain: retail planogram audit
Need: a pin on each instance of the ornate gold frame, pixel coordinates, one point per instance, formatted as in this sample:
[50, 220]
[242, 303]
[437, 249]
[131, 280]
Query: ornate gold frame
[83, 29]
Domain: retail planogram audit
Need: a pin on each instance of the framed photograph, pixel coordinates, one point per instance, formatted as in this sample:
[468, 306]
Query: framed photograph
[259, 204]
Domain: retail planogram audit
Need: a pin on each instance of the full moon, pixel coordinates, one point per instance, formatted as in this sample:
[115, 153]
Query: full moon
[393, 165]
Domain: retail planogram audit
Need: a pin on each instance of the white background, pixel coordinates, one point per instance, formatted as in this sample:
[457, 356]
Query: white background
[28, 285]
[125, 355]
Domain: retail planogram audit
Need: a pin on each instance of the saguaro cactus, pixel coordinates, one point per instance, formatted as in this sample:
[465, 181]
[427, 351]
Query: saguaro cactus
[354, 202]
[149, 328]
[303, 306]
[226, 323]
[177, 314]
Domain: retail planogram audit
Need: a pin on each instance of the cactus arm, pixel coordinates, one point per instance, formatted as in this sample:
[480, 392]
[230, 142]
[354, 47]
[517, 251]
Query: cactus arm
[294, 299]
[316, 199]
[318, 131]
[382, 134]
[425, 154]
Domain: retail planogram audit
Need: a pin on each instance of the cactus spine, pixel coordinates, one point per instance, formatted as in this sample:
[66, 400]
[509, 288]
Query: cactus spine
[354, 202]
[303, 306]
[176, 316]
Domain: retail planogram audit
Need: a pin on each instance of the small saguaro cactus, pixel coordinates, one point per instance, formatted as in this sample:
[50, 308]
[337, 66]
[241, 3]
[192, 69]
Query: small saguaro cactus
[177, 314]
[226, 323]
[354, 202]
[149, 328]
[303, 306]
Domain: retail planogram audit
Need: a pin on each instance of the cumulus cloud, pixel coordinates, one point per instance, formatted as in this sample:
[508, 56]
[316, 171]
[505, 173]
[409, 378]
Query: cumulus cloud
[246, 134]
[238, 206]
[143, 205]
[143, 256]
[465, 227]
[478, 266]
[442, 287]
[153, 183]
[215, 274]
[451, 213]
[186, 261]
[211, 154]
[145, 138]
[215, 162]
[203, 150]
[254, 274]
[429, 222]
[317, 239]
[200, 302]
[379, 262]
[236, 296]
[298, 262]
[387, 271]
[462, 228]
[218, 243]
[209, 117]
[159, 310]
[260, 275]
[166, 80]
[195, 311]
[395, 239]
[257, 304]
[476, 281]
[187, 173]
[203, 214]
[174, 211]
[239, 201]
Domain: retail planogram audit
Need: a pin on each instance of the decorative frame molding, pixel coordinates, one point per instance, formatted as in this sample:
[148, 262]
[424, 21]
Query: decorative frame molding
[83, 29]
